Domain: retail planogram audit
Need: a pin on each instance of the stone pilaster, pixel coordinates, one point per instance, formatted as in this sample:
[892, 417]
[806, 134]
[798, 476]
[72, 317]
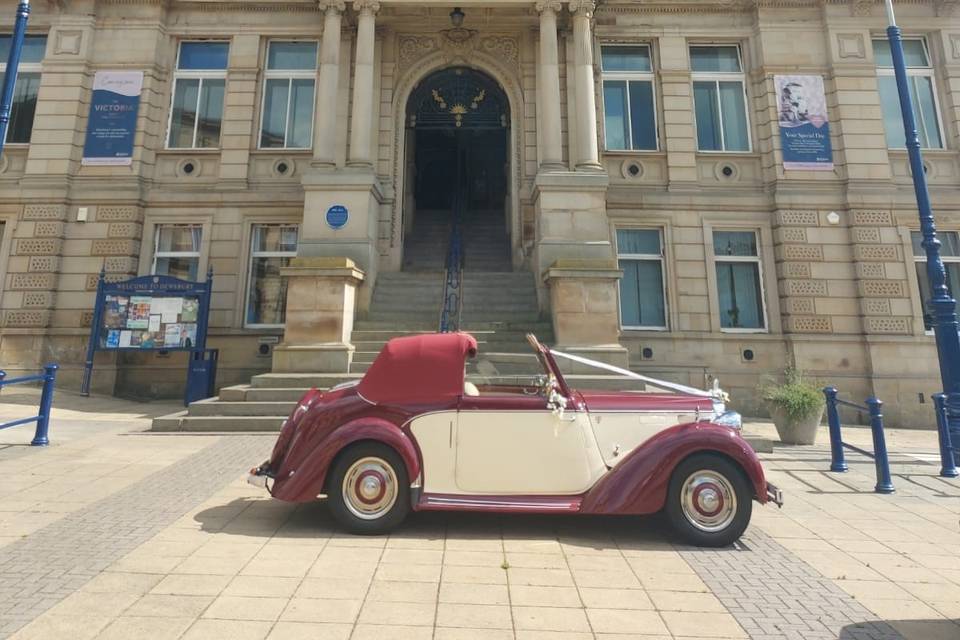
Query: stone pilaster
[240, 111]
[325, 124]
[588, 155]
[679, 139]
[361, 121]
[548, 96]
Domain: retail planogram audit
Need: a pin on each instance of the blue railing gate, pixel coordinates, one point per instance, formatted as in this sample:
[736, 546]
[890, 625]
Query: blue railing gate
[880, 459]
[49, 379]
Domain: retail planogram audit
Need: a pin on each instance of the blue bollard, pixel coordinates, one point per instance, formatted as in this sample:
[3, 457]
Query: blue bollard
[46, 405]
[837, 462]
[948, 468]
[882, 462]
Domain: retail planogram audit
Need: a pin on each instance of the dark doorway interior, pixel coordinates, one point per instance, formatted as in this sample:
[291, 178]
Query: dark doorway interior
[480, 153]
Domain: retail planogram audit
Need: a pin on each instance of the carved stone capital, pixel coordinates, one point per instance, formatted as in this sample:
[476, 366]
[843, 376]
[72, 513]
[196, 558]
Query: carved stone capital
[548, 5]
[584, 8]
[327, 6]
[368, 6]
[861, 8]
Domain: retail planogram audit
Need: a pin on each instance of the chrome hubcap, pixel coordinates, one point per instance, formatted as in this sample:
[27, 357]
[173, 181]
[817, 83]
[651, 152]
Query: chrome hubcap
[369, 488]
[708, 500]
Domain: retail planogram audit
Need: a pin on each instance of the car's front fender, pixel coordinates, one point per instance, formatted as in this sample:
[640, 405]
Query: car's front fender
[639, 483]
[306, 482]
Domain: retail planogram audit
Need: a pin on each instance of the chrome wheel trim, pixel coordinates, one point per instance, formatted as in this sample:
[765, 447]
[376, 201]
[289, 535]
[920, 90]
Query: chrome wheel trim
[369, 488]
[708, 500]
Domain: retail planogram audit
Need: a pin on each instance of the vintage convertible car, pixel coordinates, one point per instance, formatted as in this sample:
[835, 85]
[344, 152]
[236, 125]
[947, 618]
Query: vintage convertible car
[413, 434]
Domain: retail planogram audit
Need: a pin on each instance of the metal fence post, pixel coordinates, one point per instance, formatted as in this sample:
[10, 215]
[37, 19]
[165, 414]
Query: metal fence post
[837, 462]
[948, 468]
[884, 484]
[46, 404]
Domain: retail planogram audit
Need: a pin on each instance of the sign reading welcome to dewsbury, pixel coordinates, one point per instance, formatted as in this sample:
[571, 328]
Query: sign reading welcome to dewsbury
[113, 118]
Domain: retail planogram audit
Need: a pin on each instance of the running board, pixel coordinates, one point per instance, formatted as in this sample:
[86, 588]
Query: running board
[500, 504]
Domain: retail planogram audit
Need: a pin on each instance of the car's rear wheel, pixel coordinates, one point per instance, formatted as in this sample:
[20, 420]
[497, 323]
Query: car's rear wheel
[709, 501]
[368, 491]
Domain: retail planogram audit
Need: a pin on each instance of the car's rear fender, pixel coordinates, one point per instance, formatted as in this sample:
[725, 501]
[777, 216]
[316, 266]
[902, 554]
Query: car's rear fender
[306, 482]
[639, 484]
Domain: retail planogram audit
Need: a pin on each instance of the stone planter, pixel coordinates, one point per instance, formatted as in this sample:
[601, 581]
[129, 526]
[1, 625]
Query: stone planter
[795, 431]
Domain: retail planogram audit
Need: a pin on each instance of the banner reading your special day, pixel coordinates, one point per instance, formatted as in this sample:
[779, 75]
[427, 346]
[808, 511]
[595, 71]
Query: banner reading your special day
[804, 124]
[113, 118]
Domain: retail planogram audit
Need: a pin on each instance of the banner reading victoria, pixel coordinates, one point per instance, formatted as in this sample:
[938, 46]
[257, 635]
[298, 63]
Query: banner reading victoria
[113, 118]
[804, 124]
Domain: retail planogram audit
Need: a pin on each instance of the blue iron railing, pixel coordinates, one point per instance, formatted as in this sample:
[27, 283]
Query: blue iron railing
[49, 378]
[453, 276]
[879, 454]
[948, 466]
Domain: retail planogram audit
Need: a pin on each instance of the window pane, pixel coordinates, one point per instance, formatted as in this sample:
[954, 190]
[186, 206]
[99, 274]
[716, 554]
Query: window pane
[646, 241]
[292, 55]
[625, 58]
[267, 298]
[178, 238]
[890, 108]
[641, 294]
[24, 107]
[184, 115]
[274, 238]
[615, 110]
[301, 115]
[274, 124]
[184, 268]
[738, 288]
[708, 116]
[203, 55]
[718, 59]
[925, 112]
[734, 243]
[211, 113]
[734, 117]
[32, 52]
[914, 53]
[641, 116]
[949, 243]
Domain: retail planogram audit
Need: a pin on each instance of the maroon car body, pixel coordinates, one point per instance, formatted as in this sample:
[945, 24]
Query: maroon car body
[414, 435]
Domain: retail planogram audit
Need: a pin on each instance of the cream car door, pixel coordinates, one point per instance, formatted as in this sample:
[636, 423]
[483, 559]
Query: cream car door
[518, 446]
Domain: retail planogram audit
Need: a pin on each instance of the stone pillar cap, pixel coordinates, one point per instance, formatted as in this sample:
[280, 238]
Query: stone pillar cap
[570, 268]
[323, 266]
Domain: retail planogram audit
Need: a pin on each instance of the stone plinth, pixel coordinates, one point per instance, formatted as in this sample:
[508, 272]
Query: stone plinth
[583, 297]
[321, 295]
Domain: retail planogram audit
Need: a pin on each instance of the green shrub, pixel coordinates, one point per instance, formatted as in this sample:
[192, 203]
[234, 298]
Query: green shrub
[799, 398]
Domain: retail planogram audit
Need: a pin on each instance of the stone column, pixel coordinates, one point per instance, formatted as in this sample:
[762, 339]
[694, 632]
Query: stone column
[325, 132]
[588, 157]
[548, 71]
[361, 120]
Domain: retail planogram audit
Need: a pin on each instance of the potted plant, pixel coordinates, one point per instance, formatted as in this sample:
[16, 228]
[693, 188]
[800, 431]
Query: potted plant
[796, 407]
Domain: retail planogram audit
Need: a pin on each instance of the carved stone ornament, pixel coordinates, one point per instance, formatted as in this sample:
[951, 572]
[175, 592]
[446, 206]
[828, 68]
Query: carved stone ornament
[373, 6]
[501, 47]
[583, 7]
[945, 8]
[334, 5]
[861, 8]
[415, 47]
[553, 5]
[458, 41]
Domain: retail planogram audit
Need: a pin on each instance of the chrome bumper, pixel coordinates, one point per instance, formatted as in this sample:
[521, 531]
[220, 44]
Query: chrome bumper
[257, 477]
[774, 495]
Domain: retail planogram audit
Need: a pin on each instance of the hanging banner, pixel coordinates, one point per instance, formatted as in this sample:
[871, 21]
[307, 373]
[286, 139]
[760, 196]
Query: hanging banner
[804, 124]
[113, 118]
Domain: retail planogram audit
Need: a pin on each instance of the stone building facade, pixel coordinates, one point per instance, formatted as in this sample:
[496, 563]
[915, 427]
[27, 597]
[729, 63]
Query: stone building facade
[635, 159]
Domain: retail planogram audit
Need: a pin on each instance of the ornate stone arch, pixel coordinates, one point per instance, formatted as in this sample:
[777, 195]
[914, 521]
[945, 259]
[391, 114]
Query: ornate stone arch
[421, 56]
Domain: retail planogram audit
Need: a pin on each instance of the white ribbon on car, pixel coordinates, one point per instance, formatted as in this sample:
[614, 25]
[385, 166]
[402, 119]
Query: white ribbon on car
[662, 384]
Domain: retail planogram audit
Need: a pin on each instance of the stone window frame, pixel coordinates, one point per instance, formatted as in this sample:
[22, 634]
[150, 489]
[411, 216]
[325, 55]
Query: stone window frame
[8, 223]
[288, 74]
[705, 76]
[246, 223]
[630, 76]
[148, 239]
[200, 75]
[626, 219]
[249, 255]
[916, 300]
[758, 223]
[664, 288]
[929, 71]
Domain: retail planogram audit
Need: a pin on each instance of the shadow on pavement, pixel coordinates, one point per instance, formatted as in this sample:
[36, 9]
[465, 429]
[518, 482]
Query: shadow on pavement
[902, 630]
[271, 518]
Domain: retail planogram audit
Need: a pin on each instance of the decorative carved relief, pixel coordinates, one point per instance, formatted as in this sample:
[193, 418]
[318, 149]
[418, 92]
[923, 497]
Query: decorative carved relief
[121, 264]
[806, 288]
[413, 48]
[877, 306]
[861, 8]
[945, 8]
[888, 325]
[44, 212]
[114, 247]
[22, 318]
[882, 288]
[48, 229]
[503, 47]
[24, 281]
[117, 213]
[123, 230]
[43, 263]
[875, 218]
[86, 318]
[798, 218]
[803, 252]
[38, 246]
[876, 252]
[38, 299]
[796, 270]
[810, 324]
[866, 235]
[850, 45]
[870, 270]
[800, 306]
[793, 234]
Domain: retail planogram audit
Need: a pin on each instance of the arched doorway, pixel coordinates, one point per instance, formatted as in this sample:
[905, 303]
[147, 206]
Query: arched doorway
[457, 135]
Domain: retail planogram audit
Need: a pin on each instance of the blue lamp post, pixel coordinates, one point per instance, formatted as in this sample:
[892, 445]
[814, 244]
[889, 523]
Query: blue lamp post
[942, 305]
[13, 63]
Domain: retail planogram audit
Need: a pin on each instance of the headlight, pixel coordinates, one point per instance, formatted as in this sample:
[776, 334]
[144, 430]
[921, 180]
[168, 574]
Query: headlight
[730, 419]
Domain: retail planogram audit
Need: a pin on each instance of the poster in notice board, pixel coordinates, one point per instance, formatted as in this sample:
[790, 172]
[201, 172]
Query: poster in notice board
[149, 322]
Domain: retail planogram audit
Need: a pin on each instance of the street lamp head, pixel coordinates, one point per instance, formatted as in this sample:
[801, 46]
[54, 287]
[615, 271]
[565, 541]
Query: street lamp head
[456, 17]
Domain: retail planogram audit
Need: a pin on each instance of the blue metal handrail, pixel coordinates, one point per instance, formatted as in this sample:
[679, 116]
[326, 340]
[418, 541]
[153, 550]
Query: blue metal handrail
[879, 454]
[49, 379]
[948, 466]
[452, 305]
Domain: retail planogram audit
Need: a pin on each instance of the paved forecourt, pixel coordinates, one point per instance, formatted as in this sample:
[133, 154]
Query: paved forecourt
[189, 550]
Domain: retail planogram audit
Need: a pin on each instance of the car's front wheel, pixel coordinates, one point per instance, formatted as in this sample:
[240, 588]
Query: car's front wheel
[368, 491]
[709, 501]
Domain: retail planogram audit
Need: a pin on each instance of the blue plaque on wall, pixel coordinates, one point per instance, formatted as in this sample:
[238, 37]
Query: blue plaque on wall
[337, 216]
